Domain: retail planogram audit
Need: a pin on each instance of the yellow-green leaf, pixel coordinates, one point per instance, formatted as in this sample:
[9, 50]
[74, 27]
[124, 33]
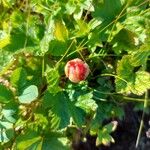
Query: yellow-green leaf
[4, 41]
[60, 31]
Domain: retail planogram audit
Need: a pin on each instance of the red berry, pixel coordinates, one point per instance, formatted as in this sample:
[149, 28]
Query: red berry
[76, 70]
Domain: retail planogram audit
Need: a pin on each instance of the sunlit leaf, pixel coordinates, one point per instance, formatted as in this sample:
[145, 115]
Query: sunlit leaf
[139, 58]
[82, 28]
[29, 94]
[129, 82]
[60, 31]
[4, 41]
[18, 78]
[53, 78]
[142, 82]
[28, 141]
[125, 76]
[8, 114]
[6, 131]
[86, 102]
[24, 40]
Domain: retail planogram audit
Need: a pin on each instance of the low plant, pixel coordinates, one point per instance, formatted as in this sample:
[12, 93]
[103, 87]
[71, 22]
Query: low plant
[68, 68]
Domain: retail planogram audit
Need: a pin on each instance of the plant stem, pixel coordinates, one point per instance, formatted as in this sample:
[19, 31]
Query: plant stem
[120, 16]
[142, 120]
[133, 99]
[65, 53]
[113, 75]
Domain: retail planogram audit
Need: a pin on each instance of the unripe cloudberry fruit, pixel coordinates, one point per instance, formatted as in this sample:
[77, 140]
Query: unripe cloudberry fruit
[76, 70]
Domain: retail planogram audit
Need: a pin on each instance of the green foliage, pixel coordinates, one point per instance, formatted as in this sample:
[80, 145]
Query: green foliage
[86, 102]
[104, 136]
[40, 108]
[129, 81]
[57, 48]
[62, 110]
[29, 94]
[19, 78]
[59, 104]
[142, 82]
[124, 40]
[59, 27]
[7, 132]
[6, 95]
[31, 140]
[4, 39]
[53, 80]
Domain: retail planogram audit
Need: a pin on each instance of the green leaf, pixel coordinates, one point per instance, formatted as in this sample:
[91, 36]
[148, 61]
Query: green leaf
[29, 140]
[139, 57]
[76, 8]
[29, 94]
[17, 18]
[93, 23]
[6, 125]
[110, 127]
[40, 120]
[60, 31]
[4, 39]
[105, 111]
[86, 102]
[6, 135]
[82, 28]
[62, 109]
[8, 114]
[54, 142]
[107, 10]
[137, 3]
[124, 40]
[48, 35]
[24, 40]
[57, 48]
[8, 3]
[136, 21]
[59, 104]
[78, 13]
[125, 76]
[129, 82]
[104, 138]
[5, 58]
[5, 94]
[6, 131]
[77, 114]
[18, 78]
[53, 78]
[142, 82]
